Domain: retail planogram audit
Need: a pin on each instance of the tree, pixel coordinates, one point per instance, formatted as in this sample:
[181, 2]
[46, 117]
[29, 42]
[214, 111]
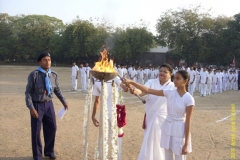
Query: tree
[183, 32]
[132, 42]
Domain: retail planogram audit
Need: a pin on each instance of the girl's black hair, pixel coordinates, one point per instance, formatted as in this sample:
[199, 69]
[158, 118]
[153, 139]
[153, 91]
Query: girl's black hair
[185, 76]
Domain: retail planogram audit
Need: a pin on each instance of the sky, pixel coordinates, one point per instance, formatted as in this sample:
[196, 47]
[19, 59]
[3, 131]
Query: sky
[117, 12]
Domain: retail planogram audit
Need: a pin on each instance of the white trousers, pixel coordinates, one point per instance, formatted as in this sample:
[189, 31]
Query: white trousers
[84, 85]
[197, 86]
[74, 83]
[191, 88]
[219, 86]
[224, 85]
[209, 88]
[203, 88]
[88, 82]
[169, 155]
[214, 87]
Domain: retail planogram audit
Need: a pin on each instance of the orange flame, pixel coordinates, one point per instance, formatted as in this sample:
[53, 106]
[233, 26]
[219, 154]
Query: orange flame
[104, 65]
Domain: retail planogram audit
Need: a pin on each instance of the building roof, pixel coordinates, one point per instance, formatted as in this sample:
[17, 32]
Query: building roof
[159, 49]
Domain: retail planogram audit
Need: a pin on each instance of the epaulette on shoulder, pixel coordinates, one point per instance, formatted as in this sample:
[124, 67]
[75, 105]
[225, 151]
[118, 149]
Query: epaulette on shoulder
[55, 73]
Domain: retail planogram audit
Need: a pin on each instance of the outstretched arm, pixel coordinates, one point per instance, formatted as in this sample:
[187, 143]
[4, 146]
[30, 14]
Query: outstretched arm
[144, 88]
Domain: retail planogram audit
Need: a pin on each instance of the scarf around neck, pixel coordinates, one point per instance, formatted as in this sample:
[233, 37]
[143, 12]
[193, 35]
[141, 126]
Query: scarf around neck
[48, 84]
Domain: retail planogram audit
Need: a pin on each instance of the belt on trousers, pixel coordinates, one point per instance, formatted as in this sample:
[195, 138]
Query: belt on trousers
[41, 101]
[175, 118]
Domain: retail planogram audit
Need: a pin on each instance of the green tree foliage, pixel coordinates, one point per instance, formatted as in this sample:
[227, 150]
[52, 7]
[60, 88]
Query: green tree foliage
[195, 35]
[132, 42]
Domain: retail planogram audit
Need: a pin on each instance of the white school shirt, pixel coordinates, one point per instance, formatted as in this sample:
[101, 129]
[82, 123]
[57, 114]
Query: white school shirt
[152, 74]
[74, 70]
[129, 69]
[133, 73]
[141, 74]
[231, 77]
[120, 71]
[124, 71]
[87, 69]
[210, 76]
[203, 76]
[147, 72]
[173, 132]
[156, 72]
[215, 78]
[225, 77]
[192, 74]
[97, 88]
[82, 72]
[220, 76]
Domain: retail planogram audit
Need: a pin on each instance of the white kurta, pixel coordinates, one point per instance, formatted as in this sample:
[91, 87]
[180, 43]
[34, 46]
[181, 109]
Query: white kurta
[156, 112]
[173, 133]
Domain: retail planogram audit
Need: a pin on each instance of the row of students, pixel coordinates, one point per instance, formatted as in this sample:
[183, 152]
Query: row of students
[83, 73]
[139, 75]
[208, 81]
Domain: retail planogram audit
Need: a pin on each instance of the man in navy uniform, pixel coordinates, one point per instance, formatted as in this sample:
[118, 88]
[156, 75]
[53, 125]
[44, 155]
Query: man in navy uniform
[42, 82]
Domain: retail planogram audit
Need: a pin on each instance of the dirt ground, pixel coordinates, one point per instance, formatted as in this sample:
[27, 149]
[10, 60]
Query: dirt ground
[211, 126]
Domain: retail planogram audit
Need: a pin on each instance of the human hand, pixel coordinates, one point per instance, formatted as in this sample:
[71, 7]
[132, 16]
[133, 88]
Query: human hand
[95, 122]
[126, 81]
[34, 113]
[185, 149]
[66, 106]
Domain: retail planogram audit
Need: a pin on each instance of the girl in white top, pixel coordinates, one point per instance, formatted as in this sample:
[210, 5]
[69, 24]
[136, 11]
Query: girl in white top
[175, 136]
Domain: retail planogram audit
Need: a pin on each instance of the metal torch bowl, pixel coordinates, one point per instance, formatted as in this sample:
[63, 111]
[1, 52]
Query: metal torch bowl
[104, 76]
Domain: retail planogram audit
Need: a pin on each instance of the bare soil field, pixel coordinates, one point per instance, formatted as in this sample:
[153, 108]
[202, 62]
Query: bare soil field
[211, 126]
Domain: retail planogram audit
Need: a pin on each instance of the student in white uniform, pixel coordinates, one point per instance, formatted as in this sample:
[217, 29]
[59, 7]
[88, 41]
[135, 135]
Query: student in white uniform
[152, 73]
[231, 79]
[133, 74]
[137, 77]
[141, 76]
[197, 86]
[203, 81]
[74, 76]
[191, 85]
[115, 67]
[120, 71]
[214, 82]
[236, 80]
[125, 72]
[87, 68]
[209, 82]
[129, 70]
[175, 136]
[220, 80]
[156, 72]
[147, 71]
[156, 112]
[83, 76]
[225, 81]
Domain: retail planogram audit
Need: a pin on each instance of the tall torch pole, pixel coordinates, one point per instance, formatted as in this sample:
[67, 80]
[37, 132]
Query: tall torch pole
[101, 146]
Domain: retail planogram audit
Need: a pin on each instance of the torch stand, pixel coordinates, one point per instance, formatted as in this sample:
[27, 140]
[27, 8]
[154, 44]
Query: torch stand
[103, 77]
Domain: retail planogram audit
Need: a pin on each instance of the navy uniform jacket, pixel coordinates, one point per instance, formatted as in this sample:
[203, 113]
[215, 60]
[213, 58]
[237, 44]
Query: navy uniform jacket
[35, 89]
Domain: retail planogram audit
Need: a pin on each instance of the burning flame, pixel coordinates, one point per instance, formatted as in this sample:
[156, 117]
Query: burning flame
[104, 65]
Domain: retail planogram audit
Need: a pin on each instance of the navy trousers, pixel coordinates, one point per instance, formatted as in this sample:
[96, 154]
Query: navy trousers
[47, 118]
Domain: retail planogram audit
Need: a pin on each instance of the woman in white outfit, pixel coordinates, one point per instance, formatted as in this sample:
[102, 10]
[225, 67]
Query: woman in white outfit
[175, 136]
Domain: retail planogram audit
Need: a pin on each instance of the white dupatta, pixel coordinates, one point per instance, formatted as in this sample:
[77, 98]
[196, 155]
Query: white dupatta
[156, 111]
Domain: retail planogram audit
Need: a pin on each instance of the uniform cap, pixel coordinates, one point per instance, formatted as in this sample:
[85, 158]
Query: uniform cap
[44, 54]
